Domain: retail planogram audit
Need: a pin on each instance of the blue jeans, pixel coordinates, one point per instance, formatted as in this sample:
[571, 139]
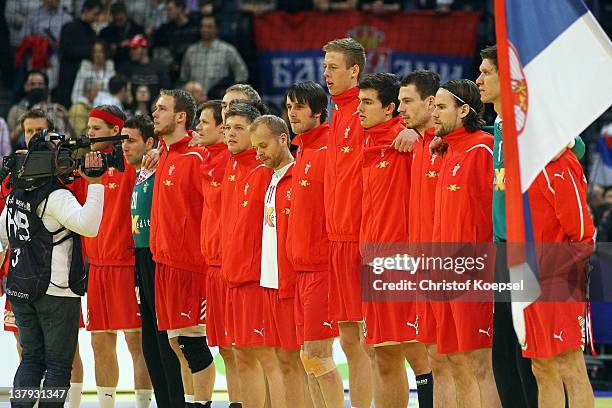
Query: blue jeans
[48, 333]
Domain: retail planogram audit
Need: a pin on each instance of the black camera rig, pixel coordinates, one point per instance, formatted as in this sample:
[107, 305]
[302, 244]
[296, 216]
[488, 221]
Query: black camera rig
[55, 155]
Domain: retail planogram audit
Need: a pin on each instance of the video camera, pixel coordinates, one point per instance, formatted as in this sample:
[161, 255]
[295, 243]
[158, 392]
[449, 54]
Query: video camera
[55, 155]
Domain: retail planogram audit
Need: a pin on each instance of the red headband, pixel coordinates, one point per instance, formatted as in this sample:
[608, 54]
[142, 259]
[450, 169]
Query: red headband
[107, 117]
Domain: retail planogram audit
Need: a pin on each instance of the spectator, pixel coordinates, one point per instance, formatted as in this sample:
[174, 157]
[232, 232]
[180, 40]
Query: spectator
[141, 70]
[78, 114]
[212, 62]
[38, 98]
[5, 139]
[257, 7]
[210, 6]
[17, 11]
[100, 69]
[150, 14]
[174, 37]
[143, 101]
[34, 79]
[380, 6]
[335, 5]
[76, 41]
[47, 21]
[196, 90]
[119, 93]
[118, 34]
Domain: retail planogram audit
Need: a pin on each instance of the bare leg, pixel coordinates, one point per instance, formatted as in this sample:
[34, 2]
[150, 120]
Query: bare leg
[481, 362]
[268, 360]
[104, 346]
[360, 365]
[391, 386]
[231, 373]
[445, 394]
[329, 383]
[573, 372]
[293, 376]
[141, 374]
[253, 386]
[468, 392]
[550, 384]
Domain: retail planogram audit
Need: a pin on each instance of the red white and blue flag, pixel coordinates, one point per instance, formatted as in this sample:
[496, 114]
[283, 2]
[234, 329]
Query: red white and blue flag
[555, 68]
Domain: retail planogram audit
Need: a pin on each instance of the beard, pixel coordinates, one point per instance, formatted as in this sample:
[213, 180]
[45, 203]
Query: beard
[444, 130]
[166, 130]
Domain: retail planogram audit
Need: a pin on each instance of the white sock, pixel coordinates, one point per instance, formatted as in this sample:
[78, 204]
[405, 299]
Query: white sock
[189, 398]
[74, 395]
[143, 398]
[106, 397]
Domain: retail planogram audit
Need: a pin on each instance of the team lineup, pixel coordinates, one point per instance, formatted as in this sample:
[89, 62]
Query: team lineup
[240, 241]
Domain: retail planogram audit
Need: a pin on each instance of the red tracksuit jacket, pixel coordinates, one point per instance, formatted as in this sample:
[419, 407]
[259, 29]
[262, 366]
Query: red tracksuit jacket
[114, 244]
[464, 192]
[242, 206]
[424, 177]
[213, 172]
[343, 185]
[307, 242]
[287, 275]
[386, 186]
[559, 214]
[176, 208]
[558, 204]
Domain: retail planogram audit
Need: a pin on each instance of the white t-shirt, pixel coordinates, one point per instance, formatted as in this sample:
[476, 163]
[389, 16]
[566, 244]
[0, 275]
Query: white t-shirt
[269, 243]
[63, 210]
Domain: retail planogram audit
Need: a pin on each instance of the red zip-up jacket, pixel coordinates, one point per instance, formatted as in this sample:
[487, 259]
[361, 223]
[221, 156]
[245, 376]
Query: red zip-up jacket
[464, 191]
[558, 204]
[386, 187]
[307, 242]
[242, 206]
[176, 208]
[343, 184]
[114, 244]
[213, 172]
[563, 229]
[424, 177]
[287, 275]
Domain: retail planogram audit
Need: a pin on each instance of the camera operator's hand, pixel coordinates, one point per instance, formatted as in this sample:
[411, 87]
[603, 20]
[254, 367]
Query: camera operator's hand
[150, 160]
[92, 160]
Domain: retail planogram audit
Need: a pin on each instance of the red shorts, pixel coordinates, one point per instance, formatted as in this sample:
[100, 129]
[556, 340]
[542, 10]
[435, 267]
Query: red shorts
[426, 321]
[313, 316]
[279, 321]
[463, 326]
[217, 333]
[345, 283]
[390, 322]
[180, 298]
[245, 315]
[9, 318]
[111, 299]
[553, 327]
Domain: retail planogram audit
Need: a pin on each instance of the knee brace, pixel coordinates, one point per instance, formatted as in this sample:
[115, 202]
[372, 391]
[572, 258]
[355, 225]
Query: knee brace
[317, 366]
[196, 352]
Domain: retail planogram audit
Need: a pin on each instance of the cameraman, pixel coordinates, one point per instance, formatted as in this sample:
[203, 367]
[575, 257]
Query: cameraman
[45, 274]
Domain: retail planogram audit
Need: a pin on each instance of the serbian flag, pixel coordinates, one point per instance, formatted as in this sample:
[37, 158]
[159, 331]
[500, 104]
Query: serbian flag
[555, 69]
